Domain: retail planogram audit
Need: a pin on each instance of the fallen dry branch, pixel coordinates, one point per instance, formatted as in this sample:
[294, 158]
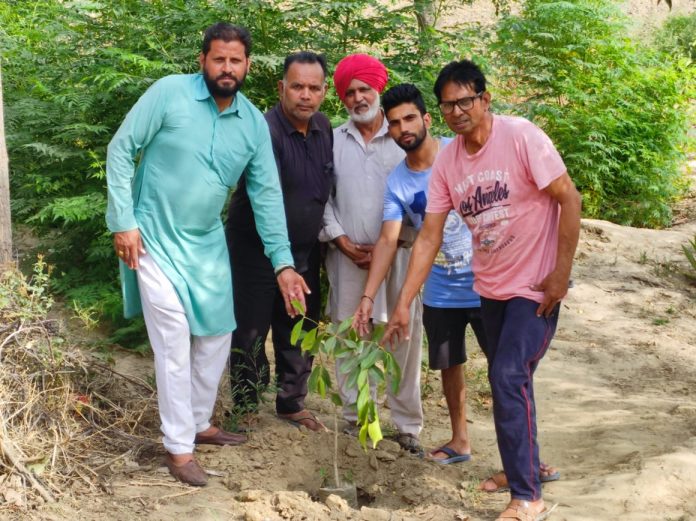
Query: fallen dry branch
[9, 452]
[67, 418]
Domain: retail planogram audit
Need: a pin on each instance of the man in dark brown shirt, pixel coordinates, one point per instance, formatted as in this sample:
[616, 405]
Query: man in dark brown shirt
[302, 144]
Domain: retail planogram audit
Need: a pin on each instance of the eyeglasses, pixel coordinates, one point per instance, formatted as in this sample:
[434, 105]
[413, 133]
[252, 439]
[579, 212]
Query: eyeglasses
[447, 107]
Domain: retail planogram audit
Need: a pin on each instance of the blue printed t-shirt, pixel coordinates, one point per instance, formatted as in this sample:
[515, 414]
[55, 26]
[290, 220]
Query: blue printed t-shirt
[450, 284]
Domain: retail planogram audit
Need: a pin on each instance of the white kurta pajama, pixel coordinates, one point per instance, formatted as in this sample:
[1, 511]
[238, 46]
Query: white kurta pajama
[356, 210]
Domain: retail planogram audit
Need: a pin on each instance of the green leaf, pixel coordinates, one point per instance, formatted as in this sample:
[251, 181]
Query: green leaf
[316, 346]
[343, 326]
[326, 377]
[376, 374]
[393, 371]
[314, 378]
[352, 380]
[362, 436]
[296, 332]
[362, 378]
[336, 399]
[369, 360]
[375, 431]
[342, 352]
[329, 345]
[351, 344]
[298, 307]
[308, 340]
[377, 333]
[363, 403]
[321, 387]
[349, 365]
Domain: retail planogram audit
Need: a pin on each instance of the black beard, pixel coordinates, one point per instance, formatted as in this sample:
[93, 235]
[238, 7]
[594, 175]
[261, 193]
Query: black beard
[223, 92]
[416, 142]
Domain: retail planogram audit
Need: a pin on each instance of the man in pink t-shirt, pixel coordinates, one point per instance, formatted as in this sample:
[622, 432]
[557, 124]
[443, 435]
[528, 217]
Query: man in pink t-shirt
[506, 179]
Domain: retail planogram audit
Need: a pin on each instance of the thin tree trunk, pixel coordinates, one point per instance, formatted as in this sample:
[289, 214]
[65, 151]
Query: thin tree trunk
[425, 14]
[5, 218]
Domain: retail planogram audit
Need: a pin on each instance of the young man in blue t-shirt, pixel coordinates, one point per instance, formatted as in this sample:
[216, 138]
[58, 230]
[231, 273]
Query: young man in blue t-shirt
[449, 301]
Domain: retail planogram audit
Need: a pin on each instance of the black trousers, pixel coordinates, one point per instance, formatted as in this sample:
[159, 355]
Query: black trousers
[258, 306]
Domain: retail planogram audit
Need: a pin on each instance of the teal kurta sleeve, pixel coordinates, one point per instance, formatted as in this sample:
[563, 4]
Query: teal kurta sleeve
[137, 130]
[263, 187]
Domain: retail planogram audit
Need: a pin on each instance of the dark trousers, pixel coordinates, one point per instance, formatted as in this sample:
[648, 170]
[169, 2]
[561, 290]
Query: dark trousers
[258, 306]
[517, 340]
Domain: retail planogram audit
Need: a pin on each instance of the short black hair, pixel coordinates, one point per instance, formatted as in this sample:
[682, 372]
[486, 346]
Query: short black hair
[465, 73]
[403, 93]
[304, 57]
[227, 33]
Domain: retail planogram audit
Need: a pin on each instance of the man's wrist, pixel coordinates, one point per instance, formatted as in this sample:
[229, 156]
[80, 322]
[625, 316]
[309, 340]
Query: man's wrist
[340, 241]
[279, 269]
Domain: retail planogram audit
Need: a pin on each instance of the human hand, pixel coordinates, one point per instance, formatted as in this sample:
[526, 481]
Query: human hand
[362, 316]
[293, 287]
[397, 329]
[129, 246]
[360, 254]
[554, 287]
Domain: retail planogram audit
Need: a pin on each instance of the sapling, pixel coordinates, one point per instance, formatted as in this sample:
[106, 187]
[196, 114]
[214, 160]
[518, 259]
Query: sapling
[368, 365]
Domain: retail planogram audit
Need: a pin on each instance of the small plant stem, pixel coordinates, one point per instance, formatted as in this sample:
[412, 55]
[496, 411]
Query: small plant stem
[335, 461]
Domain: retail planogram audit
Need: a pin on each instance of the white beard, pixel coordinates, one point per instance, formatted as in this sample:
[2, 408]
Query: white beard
[366, 117]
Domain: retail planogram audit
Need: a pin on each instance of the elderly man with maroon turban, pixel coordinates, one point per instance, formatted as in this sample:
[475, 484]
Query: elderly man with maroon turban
[364, 155]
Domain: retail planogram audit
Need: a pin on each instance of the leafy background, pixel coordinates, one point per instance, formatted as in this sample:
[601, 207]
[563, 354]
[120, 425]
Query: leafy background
[617, 108]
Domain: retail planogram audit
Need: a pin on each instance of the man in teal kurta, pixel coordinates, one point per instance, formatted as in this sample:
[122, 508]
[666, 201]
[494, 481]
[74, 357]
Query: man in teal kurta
[195, 134]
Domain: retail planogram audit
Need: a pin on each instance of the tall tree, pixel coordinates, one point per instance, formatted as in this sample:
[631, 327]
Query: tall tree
[5, 220]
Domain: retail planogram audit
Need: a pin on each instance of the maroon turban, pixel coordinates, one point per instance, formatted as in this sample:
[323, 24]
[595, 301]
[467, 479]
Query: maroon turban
[359, 67]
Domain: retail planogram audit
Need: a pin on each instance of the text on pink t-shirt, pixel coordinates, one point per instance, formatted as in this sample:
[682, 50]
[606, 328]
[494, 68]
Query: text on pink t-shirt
[499, 193]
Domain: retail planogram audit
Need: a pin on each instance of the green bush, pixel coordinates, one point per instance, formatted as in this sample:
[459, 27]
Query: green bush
[678, 36]
[72, 69]
[617, 111]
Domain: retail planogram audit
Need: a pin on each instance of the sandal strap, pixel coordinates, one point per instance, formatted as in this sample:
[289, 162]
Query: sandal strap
[518, 512]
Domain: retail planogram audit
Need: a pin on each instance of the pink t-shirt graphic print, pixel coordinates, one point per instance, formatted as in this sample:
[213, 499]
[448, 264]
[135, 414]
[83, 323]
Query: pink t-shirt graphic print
[499, 193]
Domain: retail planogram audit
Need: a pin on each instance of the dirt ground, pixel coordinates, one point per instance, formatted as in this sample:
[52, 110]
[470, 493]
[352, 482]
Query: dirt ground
[616, 406]
[616, 400]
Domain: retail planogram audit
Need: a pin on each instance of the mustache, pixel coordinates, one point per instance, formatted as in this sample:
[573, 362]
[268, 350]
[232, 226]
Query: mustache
[226, 76]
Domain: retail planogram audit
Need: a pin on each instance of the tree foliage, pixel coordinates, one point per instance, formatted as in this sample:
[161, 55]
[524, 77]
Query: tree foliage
[678, 36]
[74, 68]
[617, 110]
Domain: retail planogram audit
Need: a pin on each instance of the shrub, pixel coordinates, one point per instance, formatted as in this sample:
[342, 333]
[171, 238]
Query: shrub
[616, 110]
[73, 69]
[678, 36]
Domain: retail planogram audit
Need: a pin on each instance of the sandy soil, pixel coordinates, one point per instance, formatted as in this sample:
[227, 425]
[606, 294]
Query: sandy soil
[616, 398]
[616, 405]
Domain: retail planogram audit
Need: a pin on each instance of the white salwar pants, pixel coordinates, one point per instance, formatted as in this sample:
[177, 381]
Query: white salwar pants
[187, 369]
